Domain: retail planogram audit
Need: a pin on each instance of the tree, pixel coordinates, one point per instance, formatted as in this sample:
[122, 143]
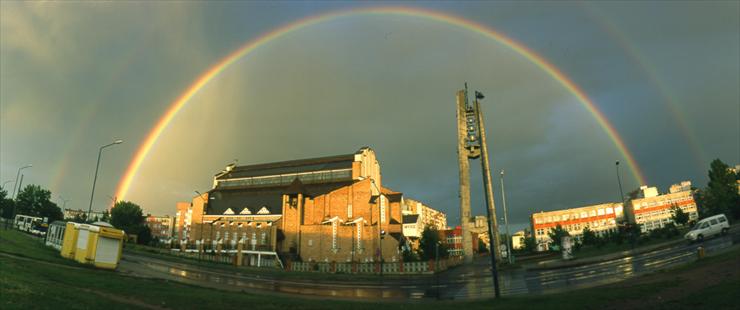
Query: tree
[482, 248]
[428, 243]
[634, 194]
[721, 194]
[36, 201]
[530, 244]
[631, 232]
[679, 217]
[106, 216]
[589, 237]
[556, 235]
[128, 217]
[6, 204]
[80, 218]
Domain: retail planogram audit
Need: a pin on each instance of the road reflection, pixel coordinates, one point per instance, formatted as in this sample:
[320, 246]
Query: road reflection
[465, 282]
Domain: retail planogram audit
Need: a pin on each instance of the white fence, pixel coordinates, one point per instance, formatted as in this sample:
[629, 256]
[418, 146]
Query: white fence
[388, 268]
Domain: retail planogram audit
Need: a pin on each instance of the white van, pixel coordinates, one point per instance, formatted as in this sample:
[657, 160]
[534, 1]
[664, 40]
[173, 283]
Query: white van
[713, 225]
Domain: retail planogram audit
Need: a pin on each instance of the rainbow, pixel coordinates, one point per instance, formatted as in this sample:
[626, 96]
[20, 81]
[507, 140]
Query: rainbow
[641, 61]
[224, 63]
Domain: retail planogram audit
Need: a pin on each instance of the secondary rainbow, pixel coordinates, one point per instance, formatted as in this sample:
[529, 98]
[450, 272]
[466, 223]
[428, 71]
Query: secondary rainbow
[224, 63]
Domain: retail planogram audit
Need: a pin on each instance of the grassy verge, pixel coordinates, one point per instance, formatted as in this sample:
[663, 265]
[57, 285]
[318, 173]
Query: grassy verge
[26, 284]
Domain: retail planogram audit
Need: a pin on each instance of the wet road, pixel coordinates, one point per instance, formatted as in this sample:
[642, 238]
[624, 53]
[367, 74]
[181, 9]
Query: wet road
[464, 282]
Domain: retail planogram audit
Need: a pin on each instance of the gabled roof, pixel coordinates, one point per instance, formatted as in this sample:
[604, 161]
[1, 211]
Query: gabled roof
[331, 220]
[296, 188]
[393, 196]
[357, 220]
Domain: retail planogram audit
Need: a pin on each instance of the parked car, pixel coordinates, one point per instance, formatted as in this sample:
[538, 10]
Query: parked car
[713, 225]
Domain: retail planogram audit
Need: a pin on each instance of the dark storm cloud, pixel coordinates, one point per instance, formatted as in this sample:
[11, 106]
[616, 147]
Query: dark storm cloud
[75, 76]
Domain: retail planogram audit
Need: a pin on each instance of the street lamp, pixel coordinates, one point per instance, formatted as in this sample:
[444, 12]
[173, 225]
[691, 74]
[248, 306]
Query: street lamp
[64, 202]
[12, 214]
[95, 179]
[619, 180]
[382, 236]
[506, 221]
[18, 175]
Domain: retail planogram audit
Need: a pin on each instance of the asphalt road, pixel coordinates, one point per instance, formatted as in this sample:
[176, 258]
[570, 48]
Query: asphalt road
[464, 282]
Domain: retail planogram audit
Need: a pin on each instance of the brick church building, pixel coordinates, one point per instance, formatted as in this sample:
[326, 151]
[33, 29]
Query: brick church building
[328, 209]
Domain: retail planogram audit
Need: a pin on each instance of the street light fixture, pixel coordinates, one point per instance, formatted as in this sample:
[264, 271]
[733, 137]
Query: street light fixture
[95, 179]
[18, 175]
[619, 180]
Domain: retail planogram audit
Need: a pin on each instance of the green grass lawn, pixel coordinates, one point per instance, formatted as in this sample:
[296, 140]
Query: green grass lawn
[52, 283]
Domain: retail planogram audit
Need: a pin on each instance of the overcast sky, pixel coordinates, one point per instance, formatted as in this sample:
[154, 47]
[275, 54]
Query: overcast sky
[75, 76]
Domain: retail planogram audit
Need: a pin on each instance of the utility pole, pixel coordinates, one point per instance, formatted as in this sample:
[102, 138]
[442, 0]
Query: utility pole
[491, 208]
[506, 222]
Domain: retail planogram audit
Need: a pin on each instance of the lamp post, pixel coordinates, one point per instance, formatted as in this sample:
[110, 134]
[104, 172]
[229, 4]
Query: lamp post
[491, 209]
[95, 179]
[64, 202]
[436, 267]
[382, 236]
[18, 175]
[506, 221]
[619, 180]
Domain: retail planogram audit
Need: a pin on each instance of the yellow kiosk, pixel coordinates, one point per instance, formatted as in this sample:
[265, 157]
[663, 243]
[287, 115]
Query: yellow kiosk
[98, 244]
[69, 243]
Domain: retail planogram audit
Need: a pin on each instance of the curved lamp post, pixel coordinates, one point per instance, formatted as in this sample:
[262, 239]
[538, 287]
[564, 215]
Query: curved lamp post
[12, 215]
[95, 179]
[18, 175]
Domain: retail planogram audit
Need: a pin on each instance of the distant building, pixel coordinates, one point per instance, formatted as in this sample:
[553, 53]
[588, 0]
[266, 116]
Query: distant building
[479, 229]
[412, 226]
[427, 215]
[452, 238]
[653, 211]
[517, 240]
[600, 219]
[70, 214]
[160, 226]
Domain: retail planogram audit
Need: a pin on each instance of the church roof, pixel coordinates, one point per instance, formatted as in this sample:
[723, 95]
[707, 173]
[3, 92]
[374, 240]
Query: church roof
[291, 166]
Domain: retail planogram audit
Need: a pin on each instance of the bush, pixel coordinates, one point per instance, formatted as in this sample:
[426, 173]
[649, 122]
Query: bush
[670, 230]
[410, 256]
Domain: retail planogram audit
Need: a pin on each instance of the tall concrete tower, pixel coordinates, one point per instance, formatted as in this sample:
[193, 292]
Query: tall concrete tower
[470, 144]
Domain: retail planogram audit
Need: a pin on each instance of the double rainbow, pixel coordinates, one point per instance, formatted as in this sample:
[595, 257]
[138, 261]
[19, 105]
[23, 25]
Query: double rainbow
[223, 64]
